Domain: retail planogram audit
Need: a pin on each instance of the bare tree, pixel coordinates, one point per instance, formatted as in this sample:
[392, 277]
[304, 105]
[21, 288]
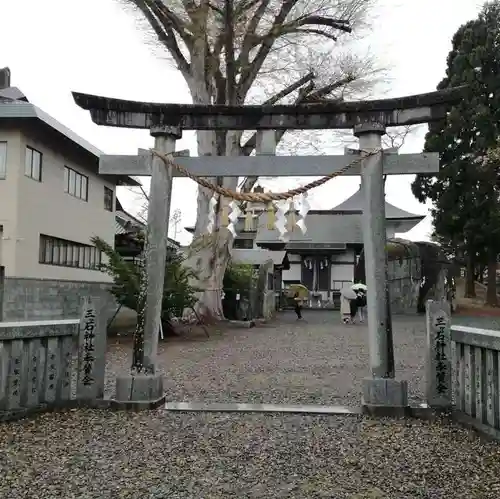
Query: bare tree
[396, 137]
[239, 51]
[174, 222]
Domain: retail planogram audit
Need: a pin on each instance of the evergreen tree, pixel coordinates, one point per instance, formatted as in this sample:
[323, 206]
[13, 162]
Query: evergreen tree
[465, 191]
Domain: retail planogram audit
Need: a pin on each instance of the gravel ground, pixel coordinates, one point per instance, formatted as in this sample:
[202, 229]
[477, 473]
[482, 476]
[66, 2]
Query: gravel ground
[311, 362]
[96, 454]
[160, 454]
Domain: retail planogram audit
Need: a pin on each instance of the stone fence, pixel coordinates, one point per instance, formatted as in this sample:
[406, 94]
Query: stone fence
[475, 376]
[52, 363]
[463, 368]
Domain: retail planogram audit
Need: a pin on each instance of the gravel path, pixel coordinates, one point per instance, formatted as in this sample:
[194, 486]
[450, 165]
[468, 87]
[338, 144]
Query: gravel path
[101, 454]
[96, 454]
[311, 362]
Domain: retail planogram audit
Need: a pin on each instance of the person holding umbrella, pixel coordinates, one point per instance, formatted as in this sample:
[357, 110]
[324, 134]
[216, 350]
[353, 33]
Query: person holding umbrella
[299, 292]
[360, 291]
[348, 305]
[297, 307]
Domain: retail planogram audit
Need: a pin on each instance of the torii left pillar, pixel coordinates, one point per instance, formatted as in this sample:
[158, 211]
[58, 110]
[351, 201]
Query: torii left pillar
[381, 390]
[148, 385]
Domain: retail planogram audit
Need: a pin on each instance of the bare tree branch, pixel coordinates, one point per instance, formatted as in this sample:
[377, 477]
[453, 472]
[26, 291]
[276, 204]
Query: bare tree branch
[397, 136]
[310, 31]
[165, 35]
[339, 24]
[291, 88]
[305, 95]
[216, 9]
[229, 52]
[250, 71]
[250, 144]
[328, 89]
[172, 21]
[251, 32]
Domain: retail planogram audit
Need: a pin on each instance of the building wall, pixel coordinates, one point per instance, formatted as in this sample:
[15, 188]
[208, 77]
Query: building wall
[294, 273]
[342, 268]
[340, 274]
[44, 208]
[31, 290]
[8, 199]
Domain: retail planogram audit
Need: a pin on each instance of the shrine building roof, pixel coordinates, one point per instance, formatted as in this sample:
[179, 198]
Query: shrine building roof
[355, 202]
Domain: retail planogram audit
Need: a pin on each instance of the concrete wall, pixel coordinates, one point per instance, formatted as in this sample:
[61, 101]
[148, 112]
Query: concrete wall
[31, 299]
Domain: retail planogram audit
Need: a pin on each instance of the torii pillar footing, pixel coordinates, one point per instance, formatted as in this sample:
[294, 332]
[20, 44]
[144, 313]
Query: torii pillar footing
[381, 389]
[147, 387]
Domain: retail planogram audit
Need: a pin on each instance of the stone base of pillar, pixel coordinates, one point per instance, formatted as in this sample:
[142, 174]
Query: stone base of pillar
[385, 392]
[139, 388]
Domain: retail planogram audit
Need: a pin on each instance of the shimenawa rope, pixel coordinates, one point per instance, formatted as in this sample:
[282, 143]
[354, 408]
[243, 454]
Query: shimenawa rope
[262, 197]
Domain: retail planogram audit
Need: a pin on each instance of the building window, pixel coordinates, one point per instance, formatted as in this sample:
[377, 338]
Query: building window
[55, 251]
[76, 184]
[108, 199]
[3, 160]
[33, 164]
[240, 243]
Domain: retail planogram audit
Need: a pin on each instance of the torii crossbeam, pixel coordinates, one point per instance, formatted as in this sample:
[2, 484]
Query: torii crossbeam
[266, 165]
[409, 110]
[368, 119]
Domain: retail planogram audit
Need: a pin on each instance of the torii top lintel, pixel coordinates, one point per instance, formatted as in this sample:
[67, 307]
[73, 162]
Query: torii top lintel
[409, 110]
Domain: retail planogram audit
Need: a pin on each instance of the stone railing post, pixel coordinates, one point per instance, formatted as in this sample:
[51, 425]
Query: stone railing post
[438, 355]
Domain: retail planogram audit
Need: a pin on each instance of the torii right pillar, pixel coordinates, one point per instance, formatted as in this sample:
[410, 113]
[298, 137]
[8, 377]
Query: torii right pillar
[381, 389]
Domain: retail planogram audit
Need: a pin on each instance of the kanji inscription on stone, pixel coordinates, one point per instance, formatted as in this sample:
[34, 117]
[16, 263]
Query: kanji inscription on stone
[439, 362]
[91, 351]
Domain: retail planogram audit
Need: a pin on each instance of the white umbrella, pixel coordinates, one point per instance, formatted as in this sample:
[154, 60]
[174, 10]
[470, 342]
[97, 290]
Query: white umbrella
[359, 286]
[348, 293]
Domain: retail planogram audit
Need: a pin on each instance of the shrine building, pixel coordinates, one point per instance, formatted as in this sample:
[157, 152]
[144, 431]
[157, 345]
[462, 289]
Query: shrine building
[322, 259]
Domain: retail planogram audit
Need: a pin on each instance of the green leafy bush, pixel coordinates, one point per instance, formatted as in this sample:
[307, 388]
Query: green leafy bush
[178, 292]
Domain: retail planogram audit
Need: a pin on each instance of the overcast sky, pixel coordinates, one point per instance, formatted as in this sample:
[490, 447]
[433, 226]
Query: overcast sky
[55, 46]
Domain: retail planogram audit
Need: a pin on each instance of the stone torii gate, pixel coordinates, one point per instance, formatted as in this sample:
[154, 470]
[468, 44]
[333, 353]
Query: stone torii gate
[368, 119]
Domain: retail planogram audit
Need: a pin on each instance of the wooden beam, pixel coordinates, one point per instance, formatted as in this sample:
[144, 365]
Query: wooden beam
[268, 166]
[410, 110]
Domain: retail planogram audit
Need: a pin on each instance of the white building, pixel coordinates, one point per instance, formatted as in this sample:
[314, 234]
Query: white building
[52, 202]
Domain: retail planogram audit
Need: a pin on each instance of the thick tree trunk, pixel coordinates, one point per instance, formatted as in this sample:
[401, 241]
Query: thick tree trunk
[470, 288]
[211, 253]
[491, 291]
